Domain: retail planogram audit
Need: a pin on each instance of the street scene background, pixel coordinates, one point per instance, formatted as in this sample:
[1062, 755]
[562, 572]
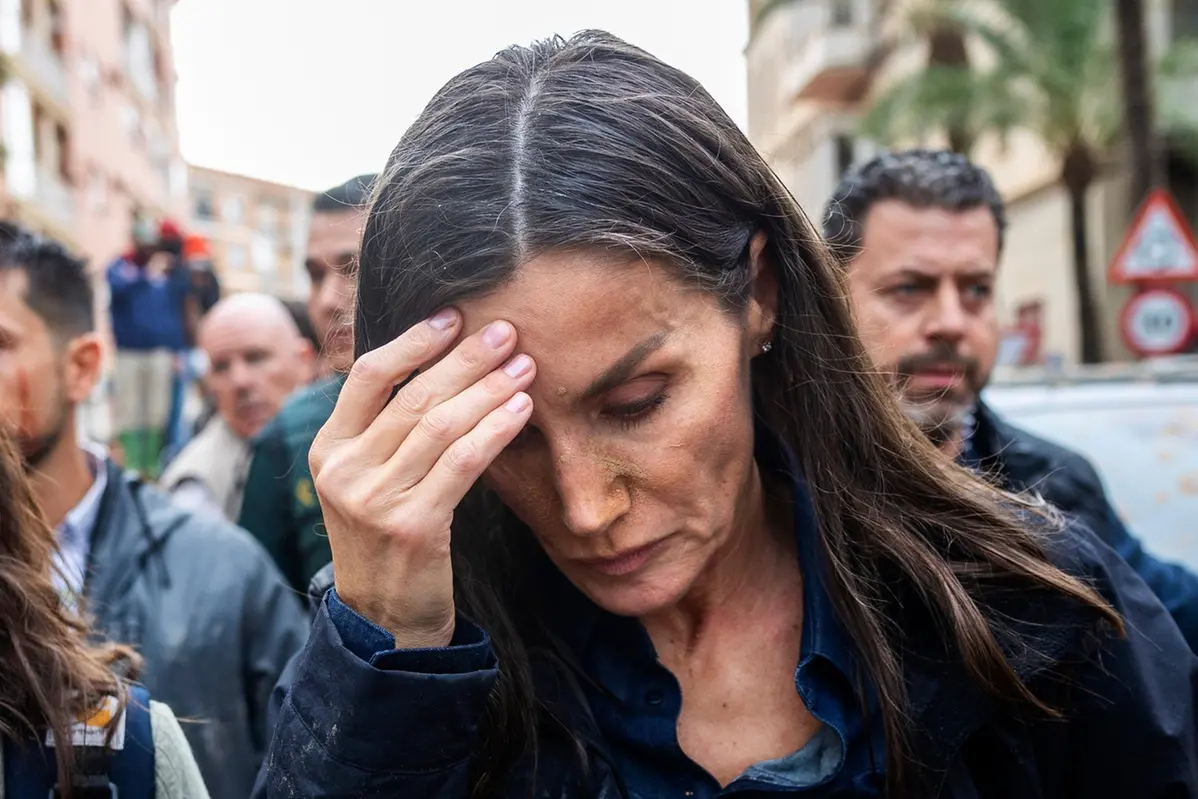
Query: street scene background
[224, 118]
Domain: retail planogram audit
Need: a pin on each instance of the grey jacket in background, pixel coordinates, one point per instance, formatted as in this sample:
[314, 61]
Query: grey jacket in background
[209, 612]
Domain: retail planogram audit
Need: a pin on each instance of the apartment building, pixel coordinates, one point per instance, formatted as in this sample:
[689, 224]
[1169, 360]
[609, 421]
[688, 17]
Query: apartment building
[257, 231]
[87, 119]
[814, 66]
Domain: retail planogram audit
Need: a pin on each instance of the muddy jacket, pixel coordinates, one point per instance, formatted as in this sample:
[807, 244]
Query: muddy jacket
[208, 611]
[348, 728]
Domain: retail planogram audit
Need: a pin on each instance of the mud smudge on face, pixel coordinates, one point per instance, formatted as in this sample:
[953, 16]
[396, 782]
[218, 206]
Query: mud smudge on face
[26, 426]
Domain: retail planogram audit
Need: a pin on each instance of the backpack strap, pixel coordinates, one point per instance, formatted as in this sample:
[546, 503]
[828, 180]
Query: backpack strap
[132, 769]
[123, 769]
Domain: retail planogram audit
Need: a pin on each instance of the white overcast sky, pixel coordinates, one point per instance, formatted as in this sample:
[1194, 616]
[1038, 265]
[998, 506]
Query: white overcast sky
[312, 92]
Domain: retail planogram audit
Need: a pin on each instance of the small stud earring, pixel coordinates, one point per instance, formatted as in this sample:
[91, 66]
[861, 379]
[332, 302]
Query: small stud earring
[767, 346]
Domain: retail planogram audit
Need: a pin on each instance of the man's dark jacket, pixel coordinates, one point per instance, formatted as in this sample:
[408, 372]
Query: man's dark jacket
[1065, 479]
[209, 612]
[280, 507]
[350, 729]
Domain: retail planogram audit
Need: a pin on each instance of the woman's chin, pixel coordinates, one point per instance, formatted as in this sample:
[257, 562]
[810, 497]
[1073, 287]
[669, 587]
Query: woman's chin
[635, 595]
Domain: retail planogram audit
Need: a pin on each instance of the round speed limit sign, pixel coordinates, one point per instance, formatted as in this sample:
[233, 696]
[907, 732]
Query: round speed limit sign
[1157, 322]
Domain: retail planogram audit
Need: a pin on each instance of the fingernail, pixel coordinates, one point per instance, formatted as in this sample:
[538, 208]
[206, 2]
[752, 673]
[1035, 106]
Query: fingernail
[518, 403]
[497, 334]
[443, 319]
[517, 366]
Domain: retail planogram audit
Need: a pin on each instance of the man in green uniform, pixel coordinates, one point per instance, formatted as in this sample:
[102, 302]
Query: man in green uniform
[280, 506]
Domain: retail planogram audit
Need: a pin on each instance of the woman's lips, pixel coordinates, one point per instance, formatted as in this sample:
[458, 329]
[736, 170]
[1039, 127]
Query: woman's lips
[625, 563]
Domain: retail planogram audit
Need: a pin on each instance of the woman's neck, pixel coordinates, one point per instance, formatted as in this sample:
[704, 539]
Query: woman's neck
[754, 571]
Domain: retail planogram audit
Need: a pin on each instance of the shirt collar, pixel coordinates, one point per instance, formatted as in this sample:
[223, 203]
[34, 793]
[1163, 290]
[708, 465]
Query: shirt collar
[572, 617]
[78, 523]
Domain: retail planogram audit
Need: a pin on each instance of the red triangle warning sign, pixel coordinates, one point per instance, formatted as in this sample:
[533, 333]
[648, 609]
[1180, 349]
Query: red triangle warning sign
[1159, 245]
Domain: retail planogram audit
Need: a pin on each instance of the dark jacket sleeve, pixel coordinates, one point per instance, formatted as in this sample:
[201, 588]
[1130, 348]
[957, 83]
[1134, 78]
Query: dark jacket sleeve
[278, 627]
[1175, 585]
[1133, 732]
[401, 723]
[266, 509]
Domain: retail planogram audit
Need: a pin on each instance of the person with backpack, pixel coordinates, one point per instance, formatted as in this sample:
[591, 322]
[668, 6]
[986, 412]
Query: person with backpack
[57, 688]
[197, 596]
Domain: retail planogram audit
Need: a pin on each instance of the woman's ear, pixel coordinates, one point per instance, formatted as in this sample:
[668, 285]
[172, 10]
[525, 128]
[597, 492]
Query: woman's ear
[763, 296]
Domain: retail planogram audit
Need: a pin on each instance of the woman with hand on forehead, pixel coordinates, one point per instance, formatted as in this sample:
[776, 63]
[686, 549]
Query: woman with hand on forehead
[641, 521]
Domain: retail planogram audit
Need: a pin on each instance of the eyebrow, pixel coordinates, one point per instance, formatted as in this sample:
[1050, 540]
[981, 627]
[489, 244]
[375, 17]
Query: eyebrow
[913, 272]
[622, 369]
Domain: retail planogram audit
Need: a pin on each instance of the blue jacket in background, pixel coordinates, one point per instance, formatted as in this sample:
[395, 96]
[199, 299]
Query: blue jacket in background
[1067, 480]
[147, 314]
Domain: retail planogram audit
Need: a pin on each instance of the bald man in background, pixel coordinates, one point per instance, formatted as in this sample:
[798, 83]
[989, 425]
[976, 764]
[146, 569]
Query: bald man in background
[256, 358]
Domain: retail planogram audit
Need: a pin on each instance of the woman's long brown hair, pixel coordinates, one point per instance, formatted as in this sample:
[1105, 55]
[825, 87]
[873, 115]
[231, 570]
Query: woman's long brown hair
[50, 676]
[593, 145]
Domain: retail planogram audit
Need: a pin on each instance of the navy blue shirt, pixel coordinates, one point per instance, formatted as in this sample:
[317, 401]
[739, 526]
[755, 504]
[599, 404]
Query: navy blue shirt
[639, 701]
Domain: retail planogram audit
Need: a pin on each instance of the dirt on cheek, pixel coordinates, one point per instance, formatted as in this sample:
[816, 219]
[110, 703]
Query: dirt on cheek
[26, 424]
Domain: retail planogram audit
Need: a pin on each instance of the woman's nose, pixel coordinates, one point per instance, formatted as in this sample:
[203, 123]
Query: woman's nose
[593, 496]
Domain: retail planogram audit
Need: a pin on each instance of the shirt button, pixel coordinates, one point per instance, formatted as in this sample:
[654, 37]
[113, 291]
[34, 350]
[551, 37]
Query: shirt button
[654, 698]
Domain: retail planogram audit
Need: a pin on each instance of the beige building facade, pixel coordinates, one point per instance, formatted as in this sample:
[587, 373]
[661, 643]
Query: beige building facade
[87, 119]
[256, 230]
[813, 67]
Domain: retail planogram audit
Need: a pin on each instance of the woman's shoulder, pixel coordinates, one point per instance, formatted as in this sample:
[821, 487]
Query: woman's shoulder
[1078, 551]
[176, 774]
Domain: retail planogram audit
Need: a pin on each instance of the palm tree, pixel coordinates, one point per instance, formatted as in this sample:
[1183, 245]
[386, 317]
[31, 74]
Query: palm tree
[1052, 69]
[1137, 98]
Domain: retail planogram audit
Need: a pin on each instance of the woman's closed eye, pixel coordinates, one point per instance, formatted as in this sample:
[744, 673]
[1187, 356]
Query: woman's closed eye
[634, 410]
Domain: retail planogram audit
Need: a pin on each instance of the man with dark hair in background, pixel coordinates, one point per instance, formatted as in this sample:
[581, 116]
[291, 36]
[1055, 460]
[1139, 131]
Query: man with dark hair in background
[197, 597]
[280, 506]
[303, 320]
[921, 232]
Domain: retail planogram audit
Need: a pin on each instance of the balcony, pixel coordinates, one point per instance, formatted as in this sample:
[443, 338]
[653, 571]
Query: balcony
[54, 198]
[44, 69]
[834, 65]
[827, 48]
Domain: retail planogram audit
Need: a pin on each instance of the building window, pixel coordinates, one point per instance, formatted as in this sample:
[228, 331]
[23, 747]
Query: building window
[203, 205]
[266, 255]
[268, 218]
[97, 190]
[842, 13]
[845, 154]
[57, 35]
[131, 121]
[20, 140]
[232, 210]
[89, 74]
[140, 60]
[236, 257]
[62, 145]
[178, 178]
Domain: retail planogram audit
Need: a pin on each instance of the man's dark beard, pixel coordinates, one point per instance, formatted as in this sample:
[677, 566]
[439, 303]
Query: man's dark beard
[944, 354]
[35, 449]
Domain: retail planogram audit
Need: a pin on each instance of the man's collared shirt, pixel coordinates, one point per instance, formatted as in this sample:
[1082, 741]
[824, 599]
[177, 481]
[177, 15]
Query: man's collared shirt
[75, 532]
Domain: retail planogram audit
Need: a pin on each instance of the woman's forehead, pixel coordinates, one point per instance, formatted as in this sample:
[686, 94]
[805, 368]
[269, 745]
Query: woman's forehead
[570, 298]
[574, 312]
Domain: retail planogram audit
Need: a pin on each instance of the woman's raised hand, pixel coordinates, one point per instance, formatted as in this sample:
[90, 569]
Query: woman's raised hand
[389, 474]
